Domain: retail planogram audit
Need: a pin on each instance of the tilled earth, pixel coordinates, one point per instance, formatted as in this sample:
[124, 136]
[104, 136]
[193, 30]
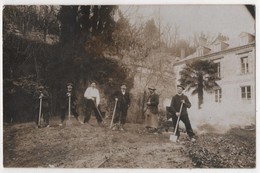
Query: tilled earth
[234, 149]
[92, 146]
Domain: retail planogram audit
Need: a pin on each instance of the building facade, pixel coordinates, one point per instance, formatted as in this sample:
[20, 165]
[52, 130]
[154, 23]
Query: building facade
[234, 101]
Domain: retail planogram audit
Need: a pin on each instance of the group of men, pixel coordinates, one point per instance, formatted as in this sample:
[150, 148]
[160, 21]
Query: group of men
[68, 104]
[178, 107]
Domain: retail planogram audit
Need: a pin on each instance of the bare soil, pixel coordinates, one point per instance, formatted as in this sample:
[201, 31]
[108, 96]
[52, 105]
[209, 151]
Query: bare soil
[92, 146]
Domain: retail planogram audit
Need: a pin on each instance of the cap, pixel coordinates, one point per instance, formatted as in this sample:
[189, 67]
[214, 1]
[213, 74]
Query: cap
[123, 85]
[69, 85]
[40, 87]
[181, 86]
[92, 81]
[151, 88]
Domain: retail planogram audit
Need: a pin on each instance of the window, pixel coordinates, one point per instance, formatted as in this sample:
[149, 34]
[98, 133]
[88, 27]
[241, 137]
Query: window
[246, 92]
[218, 69]
[218, 95]
[200, 52]
[217, 47]
[244, 65]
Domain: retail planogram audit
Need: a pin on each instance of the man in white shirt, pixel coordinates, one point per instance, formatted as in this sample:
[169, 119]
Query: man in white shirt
[93, 100]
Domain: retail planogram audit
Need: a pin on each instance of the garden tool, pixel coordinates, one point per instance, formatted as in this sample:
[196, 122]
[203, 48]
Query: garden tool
[40, 112]
[68, 122]
[114, 111]
[174, 137]
[99, 113]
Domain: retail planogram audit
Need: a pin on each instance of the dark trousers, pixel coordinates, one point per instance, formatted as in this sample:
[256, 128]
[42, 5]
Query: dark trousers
[120, 116]
[90, 106]
[64, 112]
[45, 113]
[185, 119]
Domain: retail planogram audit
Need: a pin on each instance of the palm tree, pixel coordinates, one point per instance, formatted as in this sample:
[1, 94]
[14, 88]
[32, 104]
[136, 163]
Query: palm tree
[200, 76]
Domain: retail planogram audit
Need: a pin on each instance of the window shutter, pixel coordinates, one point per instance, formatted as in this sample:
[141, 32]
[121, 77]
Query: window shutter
[221, 69]
[238, 65]
[251, 64]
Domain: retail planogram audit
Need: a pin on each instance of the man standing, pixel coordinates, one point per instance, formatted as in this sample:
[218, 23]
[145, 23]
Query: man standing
[92, 103]
[123, 104]
[176, 103]
[42, 94]
[151, 112]
[65, 103]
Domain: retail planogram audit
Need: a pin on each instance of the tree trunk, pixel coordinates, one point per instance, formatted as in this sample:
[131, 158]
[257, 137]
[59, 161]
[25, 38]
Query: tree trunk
[143, 105]
[200, 91]
[45, 32]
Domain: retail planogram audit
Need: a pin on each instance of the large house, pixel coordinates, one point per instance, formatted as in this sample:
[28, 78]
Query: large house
[234, 101]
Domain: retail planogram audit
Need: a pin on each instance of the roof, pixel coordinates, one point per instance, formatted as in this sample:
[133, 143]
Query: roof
[231, 43]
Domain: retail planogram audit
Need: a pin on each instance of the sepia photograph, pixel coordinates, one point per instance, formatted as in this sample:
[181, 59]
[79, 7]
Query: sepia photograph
[129, 86]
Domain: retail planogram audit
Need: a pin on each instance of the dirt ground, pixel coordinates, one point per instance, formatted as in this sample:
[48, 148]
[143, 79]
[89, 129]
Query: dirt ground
[92, 146]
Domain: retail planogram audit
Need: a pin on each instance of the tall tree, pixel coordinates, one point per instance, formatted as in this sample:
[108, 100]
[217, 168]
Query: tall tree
[199, 76]
[77, 58]
[47, 20]
[68, 17]
[151, 34]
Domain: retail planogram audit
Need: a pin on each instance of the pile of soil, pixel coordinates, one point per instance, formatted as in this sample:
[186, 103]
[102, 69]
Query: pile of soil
[234, 149]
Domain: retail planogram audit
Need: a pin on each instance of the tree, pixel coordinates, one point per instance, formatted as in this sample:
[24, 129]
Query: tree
[151, 34]
[47, 20]
[20, 18]
[200, 76]
[84, 33]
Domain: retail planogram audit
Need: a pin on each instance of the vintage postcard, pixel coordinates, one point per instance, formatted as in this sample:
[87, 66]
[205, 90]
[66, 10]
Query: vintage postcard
[129, 85]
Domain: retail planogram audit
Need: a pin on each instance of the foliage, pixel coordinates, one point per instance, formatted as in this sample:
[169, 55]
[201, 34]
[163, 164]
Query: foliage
[24, 19]
[83, 23]
[182, 45]
[199, 76]
[151, 34]
[29, 60]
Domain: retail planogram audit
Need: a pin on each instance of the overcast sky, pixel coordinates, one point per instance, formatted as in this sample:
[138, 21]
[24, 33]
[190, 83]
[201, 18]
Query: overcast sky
[229, 20]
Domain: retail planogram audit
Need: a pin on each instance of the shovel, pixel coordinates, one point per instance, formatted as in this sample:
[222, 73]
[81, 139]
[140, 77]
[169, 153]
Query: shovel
[99, 113]
[68, 122]
[40, 112]
[111, 124]
[173, 137]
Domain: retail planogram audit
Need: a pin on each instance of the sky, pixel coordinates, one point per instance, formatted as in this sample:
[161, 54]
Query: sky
[229, 20]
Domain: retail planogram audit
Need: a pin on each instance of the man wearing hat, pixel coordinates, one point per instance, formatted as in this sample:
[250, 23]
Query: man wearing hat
[151, 112]
[42, 93]
[92, 102]
[176, 102]
[65, 103]
[123, 104]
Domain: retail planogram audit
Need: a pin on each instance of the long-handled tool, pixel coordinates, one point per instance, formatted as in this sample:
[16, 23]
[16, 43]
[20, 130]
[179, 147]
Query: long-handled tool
[99, 113]
[114, 111]
[174, 137]
[68, 122]
[40, 111]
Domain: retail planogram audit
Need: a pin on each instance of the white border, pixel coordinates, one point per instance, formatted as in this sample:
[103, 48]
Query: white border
[133, 2]
[126, 2]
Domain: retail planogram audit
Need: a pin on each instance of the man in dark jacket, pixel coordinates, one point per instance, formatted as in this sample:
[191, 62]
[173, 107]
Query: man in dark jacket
[65, 104]
[42, 94]
[123, 104]
[176, 102]
[151, 112]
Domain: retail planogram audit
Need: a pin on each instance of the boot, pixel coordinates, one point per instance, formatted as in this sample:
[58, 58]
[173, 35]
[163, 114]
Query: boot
[121, 128]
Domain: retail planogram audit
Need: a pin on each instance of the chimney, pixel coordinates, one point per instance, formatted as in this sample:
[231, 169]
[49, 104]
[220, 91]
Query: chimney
[182, 53]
